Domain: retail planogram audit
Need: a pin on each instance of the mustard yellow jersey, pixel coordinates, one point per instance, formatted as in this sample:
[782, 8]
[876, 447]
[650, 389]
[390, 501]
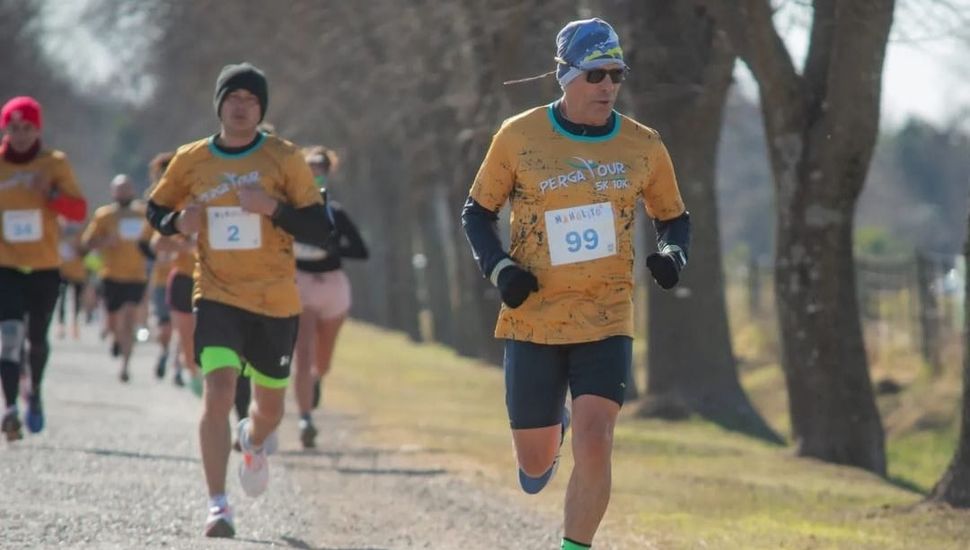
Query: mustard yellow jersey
[122, 259]
[243, 259]
[572, 215]
[29, 234]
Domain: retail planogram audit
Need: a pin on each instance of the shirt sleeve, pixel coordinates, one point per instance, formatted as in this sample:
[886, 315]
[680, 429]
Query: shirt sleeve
[171, 190]
[496, 177]
[94, 230]
[661, 196]
[300, 188]
[64, 180]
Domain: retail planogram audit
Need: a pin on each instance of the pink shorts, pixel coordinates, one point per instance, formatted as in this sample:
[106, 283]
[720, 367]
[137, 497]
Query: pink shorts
[325, 294]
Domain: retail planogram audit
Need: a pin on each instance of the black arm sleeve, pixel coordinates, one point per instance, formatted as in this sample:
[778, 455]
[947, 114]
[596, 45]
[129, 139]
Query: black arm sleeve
[674, 232]
[146, 249]
[161, 218]
[310, 224]
[350, 244]
[481, 230]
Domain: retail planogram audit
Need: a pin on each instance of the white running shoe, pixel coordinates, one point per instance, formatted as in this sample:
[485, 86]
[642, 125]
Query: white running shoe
[254, 466]
[219, 522]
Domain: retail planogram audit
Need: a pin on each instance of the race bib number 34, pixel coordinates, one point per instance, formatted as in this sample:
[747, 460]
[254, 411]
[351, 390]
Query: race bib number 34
[231, 228]
[581, 233]
[22, 226]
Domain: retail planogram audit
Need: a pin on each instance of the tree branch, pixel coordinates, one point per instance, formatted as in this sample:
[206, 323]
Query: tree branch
[820, 49]
[753, 34]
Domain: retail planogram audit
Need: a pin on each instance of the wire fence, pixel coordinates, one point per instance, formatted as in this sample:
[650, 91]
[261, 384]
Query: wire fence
[911, 308]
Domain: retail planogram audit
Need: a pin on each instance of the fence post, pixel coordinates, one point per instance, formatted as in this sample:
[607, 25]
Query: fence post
[929, 313]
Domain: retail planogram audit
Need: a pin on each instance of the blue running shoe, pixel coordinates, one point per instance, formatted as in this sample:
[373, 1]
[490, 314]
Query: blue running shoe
[533, 485]
[35, 414]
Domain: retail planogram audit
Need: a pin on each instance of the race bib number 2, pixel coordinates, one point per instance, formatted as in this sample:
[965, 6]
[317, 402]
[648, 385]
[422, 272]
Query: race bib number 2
[581, 233]
[22, 226]
[231, 228]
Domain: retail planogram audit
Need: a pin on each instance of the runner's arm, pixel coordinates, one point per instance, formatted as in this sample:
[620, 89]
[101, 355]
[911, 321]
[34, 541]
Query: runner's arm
[65, 197]
[309, 224]
[349, 242]
[162, 218]
[663, 202]
[168, 193]
[481, 230]
[479, 216]
[674, 233]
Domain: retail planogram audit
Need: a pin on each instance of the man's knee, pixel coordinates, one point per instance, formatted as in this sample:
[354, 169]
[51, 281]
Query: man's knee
[12, 334]
[220, 390]
[594, 421]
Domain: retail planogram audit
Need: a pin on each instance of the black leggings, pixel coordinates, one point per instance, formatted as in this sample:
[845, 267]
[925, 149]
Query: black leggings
[32, 296]
[78, 287]
[244, 391]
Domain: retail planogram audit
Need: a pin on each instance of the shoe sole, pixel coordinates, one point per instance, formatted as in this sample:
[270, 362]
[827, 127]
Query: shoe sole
[251, 492]
[220, 529]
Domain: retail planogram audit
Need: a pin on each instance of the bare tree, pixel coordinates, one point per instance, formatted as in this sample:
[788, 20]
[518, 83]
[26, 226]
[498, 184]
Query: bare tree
[821, 126]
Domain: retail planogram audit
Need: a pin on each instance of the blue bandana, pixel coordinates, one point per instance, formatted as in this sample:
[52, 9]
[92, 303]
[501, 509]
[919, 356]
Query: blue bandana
[585, 45]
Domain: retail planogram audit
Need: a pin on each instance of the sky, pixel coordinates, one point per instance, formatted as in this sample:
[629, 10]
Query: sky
[924, 74]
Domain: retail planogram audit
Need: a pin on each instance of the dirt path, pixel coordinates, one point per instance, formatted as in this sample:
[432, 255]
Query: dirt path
[118, 467]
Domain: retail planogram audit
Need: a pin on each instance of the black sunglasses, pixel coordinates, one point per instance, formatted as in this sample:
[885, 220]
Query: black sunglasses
[596, 76]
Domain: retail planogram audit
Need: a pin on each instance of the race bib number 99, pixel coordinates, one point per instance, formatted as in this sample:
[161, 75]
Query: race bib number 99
[22, 226]
[581, 233]
[231, 228]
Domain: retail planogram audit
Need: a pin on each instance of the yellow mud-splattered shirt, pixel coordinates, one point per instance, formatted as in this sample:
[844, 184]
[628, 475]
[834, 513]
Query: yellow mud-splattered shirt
[122, 261]
[29, 234]
[572, 213]
[244, 260]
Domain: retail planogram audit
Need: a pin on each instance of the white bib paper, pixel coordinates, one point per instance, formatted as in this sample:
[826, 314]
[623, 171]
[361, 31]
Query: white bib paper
[22, 226]
[129, 229]
[231, 228]
[581, 233]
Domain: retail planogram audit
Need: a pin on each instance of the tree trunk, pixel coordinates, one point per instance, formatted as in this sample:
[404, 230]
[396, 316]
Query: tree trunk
[399, 275]
[821, 128]
[681, 71]
[436, 250]
[954, 487]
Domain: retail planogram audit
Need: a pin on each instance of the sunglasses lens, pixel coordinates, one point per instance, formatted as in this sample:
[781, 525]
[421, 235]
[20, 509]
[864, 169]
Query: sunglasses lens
[596, 76]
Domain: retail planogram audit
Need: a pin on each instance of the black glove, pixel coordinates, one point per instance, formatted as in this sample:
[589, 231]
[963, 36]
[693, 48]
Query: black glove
[515, 284]
[665, 269]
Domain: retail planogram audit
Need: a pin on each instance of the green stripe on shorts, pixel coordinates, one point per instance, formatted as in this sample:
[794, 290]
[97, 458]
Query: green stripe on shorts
[261, 379]
[217, 357]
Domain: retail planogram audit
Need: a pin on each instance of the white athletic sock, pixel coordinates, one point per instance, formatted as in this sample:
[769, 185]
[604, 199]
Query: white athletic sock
[218, 501]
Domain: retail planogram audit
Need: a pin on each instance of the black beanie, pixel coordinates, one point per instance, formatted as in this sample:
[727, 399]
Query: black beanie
[242, 77]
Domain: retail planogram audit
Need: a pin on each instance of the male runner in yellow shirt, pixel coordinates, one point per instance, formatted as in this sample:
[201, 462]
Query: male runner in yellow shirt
[246, 194]
[574, 172]
[120, 235]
